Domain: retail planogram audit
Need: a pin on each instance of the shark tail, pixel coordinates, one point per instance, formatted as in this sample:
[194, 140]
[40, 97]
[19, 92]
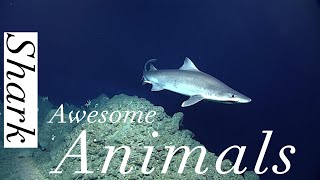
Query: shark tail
[148, 62]
[152, 68]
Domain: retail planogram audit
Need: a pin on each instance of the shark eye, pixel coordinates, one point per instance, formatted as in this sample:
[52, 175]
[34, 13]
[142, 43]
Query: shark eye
[232, 95]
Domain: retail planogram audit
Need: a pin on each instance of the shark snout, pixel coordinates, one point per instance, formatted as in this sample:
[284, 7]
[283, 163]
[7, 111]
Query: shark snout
[244, 99]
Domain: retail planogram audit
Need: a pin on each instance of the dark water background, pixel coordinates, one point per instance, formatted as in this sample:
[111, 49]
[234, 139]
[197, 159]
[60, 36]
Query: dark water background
[268, 50]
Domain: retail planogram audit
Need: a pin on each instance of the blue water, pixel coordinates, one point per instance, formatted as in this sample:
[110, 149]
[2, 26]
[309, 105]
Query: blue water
[268, 50]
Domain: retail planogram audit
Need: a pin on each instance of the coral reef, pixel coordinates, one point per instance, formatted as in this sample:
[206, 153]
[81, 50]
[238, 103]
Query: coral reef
[1, 122]
[55, 139]
[135, 135]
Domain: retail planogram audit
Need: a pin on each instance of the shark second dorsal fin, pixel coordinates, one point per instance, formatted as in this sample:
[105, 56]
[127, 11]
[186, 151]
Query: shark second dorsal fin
[188, 65]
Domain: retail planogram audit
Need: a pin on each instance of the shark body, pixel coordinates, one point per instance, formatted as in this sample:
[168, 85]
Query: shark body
[190, 81]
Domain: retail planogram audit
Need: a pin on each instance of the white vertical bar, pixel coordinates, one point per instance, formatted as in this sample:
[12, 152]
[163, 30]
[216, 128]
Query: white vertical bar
[20, 89]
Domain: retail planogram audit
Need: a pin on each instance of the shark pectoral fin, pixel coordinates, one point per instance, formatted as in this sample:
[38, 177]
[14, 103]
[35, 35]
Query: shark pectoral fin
[156, 87]
[192, 100]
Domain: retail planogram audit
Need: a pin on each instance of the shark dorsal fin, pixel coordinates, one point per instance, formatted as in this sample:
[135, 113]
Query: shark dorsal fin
[188, 65]
[152, 68]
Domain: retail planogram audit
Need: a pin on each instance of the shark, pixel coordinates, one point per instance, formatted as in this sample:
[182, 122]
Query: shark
[188, 80]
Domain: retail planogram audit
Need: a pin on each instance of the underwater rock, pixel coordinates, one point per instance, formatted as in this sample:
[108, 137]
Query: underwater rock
[1, 122]
[135, 135]
[44, 106]
[52, 135]
[251, 175]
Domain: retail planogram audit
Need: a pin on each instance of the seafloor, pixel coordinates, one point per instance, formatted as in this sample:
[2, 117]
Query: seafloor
[55, 139]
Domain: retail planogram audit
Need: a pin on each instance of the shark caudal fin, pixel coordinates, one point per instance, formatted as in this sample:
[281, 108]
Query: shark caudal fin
[152, 68]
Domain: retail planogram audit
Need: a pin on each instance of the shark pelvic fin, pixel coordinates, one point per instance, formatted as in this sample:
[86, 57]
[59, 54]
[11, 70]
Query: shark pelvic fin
[156, 87]
[192, 100]
[188, 65]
